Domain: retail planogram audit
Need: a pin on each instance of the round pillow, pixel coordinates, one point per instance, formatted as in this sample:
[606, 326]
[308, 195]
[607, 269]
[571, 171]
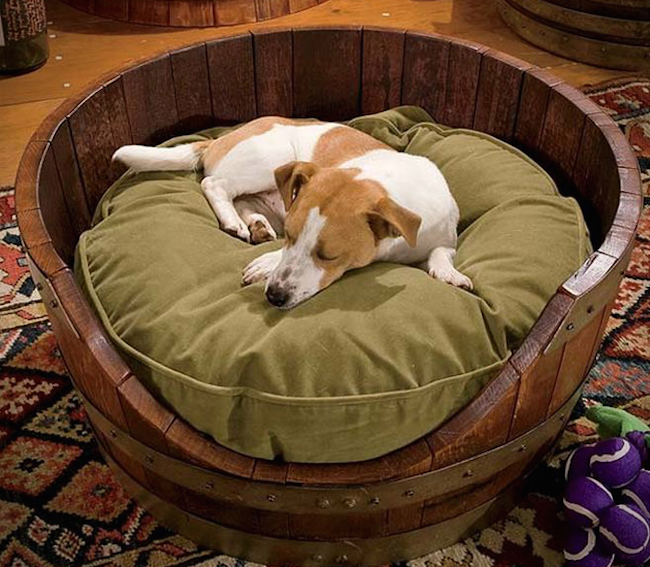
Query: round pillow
[375, 361]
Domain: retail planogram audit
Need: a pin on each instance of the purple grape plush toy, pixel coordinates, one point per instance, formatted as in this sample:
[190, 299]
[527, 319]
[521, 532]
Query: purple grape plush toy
[637, 439]
[615, 462]
[585, 499]
[638, 492]
[582, 549]
[578, 462]
[625, 531]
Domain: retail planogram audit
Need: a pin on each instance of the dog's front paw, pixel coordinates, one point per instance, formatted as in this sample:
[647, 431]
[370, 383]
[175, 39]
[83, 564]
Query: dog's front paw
[453, 277]
[260, 269]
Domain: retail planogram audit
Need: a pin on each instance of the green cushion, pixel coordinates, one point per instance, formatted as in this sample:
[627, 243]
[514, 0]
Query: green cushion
[380, 358]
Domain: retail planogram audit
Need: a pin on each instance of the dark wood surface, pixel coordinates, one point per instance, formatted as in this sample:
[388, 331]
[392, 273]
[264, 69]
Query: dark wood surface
[192, 13]
[67, 167]
[607, 34]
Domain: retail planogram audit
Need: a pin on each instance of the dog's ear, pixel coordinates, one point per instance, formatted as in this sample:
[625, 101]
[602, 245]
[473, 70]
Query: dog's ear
[389, 220]
[291, 178]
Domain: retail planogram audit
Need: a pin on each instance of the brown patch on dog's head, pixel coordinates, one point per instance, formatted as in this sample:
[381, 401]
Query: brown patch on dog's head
[355, 215]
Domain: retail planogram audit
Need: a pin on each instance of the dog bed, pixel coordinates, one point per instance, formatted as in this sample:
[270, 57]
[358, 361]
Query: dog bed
[371, 363]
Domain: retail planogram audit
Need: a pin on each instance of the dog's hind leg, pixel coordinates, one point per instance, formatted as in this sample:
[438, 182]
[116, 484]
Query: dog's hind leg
[258, 225]
[440, 265]
[217, 193]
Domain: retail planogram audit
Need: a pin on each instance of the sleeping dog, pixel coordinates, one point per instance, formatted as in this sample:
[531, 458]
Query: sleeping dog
[341, 198]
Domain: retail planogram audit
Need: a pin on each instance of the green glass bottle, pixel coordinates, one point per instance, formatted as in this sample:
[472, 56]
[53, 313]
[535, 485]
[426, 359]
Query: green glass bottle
[23, 35]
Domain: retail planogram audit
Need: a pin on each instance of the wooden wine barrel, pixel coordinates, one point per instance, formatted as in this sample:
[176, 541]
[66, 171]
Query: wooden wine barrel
[192, 13]
[439, 488]
[607, 33]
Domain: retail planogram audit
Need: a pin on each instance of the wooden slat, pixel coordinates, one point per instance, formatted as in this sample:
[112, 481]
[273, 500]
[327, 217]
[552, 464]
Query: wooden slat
[597, 181]
[232, 79]
[268, 9]
[185, 443]
[560, 139]
[383, 57]
[231, 12]
[46, 258]
[192, 86]
[463, 69]
[274, 72]
[327, 73]
[617, 242]
[425, 72]
[413, 460]
[95, 366]
[576, 361]
[535, 92]
[70, 177]
[27, 179]
[92, 135]
[54, 210]
[542, 332]
[113, 9]
[150, 101]
[482, 425]
[345, 473]
[197, 13]
[537, 370]
[274, 524]
[151, 12]
[535, 393]
[147, 421]
[498, 94]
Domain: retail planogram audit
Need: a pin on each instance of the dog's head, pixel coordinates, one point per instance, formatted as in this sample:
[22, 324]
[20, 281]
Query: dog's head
[334, 223]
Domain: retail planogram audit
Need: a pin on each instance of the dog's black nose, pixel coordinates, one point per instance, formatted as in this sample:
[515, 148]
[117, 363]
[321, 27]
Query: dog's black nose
[276, 296]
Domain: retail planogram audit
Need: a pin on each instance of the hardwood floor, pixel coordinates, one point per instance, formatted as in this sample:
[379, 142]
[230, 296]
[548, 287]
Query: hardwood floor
[83, 47]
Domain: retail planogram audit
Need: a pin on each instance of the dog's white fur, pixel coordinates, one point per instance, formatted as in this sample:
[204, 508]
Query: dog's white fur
[241, 189]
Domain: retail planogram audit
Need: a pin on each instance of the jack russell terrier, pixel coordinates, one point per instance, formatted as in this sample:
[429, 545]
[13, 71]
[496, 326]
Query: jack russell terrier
[341, 198]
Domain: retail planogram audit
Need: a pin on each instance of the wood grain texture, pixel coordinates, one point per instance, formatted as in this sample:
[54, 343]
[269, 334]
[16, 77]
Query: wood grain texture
[463, 71]
[150, 12]
[560, 140]
[231, 12]
[529, 125]
[597, 182]
[482, 425]
[232, 78]
[381, 76]
[424, 79]
[187, 444]
[192, 87]
[70, 177]
[150, 101]
[326, 73]
[274, 72]
[197, 13]
[96, 367]
[499, 90]
[269, 9]
[54, 210]
[94, 143]
[114, 9]
[576, 361]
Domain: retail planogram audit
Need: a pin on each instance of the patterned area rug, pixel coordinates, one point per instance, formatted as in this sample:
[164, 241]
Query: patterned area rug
[60, 505]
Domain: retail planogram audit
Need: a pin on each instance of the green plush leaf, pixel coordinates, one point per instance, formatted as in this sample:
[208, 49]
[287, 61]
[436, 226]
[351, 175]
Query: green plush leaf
[614, 422]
